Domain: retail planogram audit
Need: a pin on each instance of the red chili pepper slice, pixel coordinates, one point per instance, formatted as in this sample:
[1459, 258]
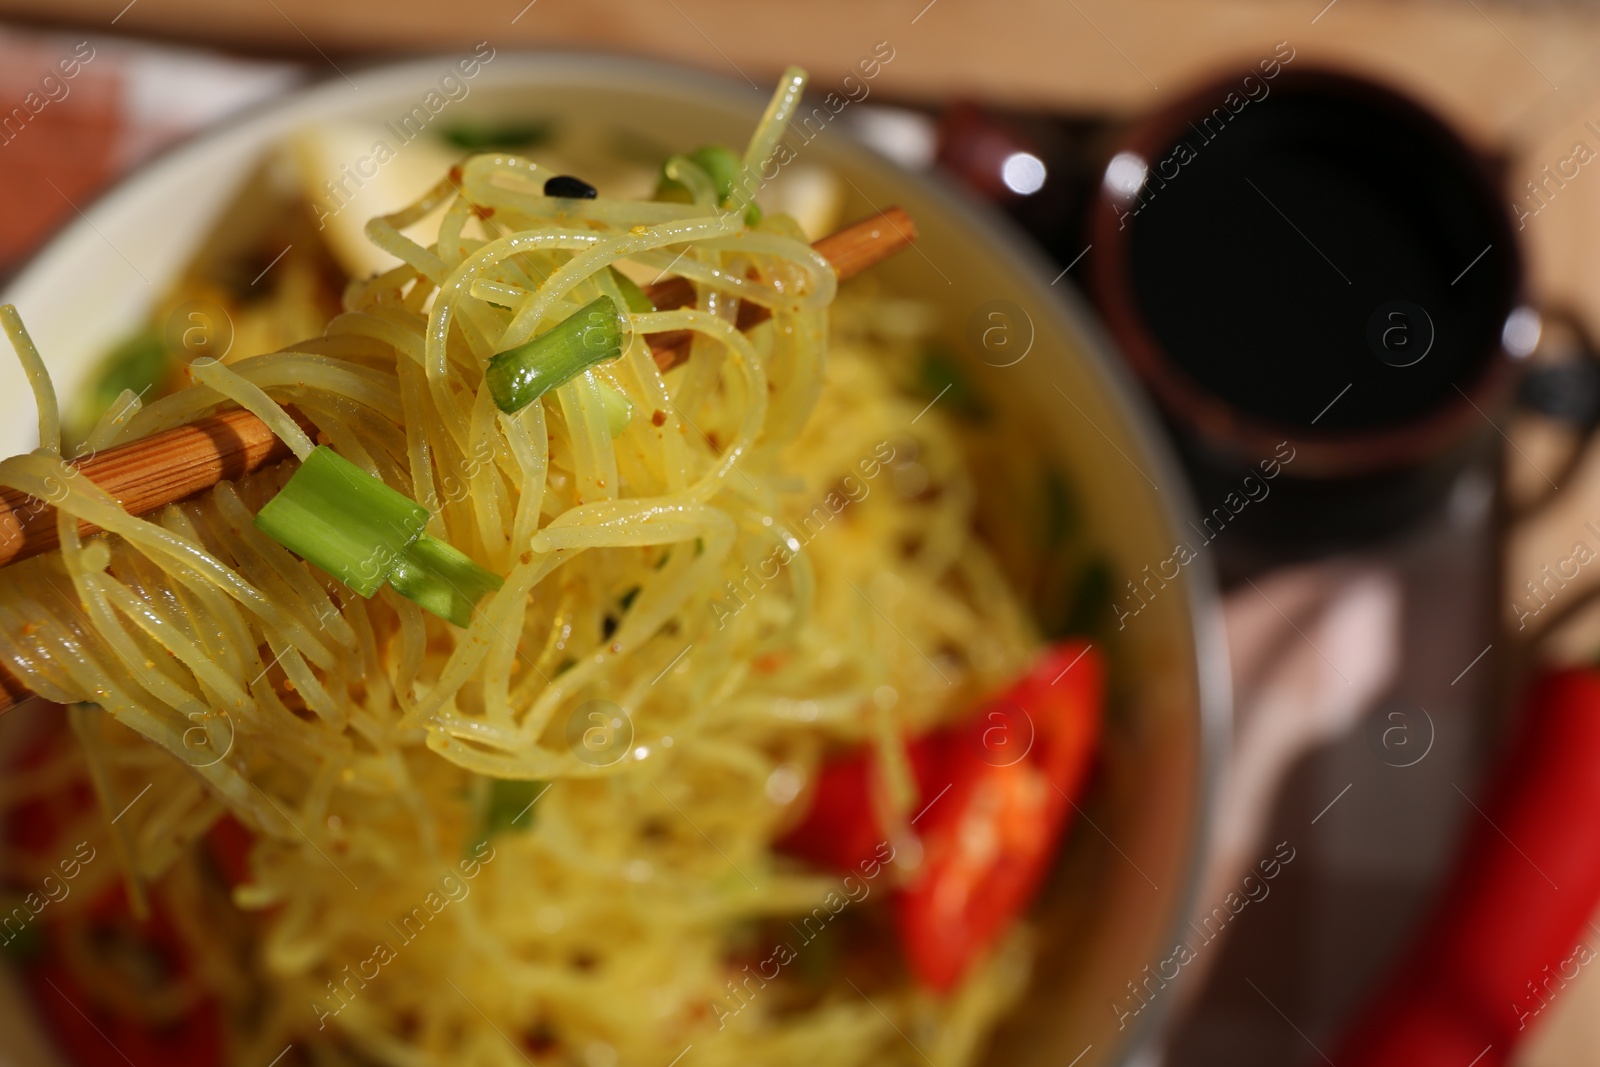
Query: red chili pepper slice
[105, 938]
[999, 791]
[67, 997]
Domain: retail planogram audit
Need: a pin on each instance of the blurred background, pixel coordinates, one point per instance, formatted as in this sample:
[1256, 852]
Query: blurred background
[1018, 103]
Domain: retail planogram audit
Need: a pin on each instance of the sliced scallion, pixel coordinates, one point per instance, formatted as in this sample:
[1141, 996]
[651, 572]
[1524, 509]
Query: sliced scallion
[632, 295]
[521, 375]
[442, 579]
[721, 165]
[509, 805]
[337, 516]
[724, 168]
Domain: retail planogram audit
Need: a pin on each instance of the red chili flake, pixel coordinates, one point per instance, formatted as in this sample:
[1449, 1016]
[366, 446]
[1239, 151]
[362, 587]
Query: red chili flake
[658, 417]
[768, 662]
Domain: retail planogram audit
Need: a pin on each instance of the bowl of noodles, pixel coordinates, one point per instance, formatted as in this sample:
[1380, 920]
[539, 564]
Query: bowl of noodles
[672, 724]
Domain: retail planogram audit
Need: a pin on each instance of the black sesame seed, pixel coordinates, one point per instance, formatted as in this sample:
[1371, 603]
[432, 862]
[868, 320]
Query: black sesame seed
[565, 185]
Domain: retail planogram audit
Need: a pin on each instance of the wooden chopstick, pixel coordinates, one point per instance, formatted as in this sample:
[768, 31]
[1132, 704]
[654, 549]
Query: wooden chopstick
[167, 467]
[148, 474]
[173, 465]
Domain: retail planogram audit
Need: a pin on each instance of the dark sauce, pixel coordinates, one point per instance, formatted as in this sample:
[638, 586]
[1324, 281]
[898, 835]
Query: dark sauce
[1263, 246]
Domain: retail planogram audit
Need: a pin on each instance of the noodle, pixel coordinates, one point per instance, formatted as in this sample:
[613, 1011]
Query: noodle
[681, 626]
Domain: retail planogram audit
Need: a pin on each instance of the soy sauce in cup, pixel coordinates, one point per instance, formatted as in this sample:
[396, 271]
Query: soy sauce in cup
[1312, 259]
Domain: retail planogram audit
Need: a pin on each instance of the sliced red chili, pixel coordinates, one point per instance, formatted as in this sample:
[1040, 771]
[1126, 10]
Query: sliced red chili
[999, 791]
[120, 950]
[88, 954]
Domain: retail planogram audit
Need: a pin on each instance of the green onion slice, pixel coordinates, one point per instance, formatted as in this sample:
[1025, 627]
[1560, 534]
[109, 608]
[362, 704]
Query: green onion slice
[510, 804]
[337, 516]
[721, 165]
[724, 168]
[632, 295]
[442, 580]
[519, 376]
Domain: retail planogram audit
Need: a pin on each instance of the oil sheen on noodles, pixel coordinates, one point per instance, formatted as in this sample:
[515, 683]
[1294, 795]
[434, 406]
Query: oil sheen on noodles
[768, 562]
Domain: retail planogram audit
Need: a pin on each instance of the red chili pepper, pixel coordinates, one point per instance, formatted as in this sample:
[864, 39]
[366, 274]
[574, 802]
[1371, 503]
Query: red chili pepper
[841, 829]
[998, 792]
[228, 842]
[67, 997]
[1511, 929]
[105, 937]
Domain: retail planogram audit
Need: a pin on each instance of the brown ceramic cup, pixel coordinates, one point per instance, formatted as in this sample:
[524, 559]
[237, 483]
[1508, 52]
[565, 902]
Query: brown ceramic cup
[1309, 269]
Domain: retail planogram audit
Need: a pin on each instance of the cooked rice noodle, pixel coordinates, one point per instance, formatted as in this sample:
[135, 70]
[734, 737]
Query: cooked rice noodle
[768, 564]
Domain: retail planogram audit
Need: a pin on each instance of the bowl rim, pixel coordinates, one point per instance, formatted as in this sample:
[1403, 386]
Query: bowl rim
[262, 122]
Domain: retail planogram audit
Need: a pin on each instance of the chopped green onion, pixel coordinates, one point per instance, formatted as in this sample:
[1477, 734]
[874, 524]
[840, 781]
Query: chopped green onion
[707, 158]
[442, 579]
[632, 295]
[723, 167]
[481, 137]
[337, 516]
[510, 801]
[619, 409]
[1089, 600]
[592, 334]
[1062, 512]
[941, 371]
[139, 363]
